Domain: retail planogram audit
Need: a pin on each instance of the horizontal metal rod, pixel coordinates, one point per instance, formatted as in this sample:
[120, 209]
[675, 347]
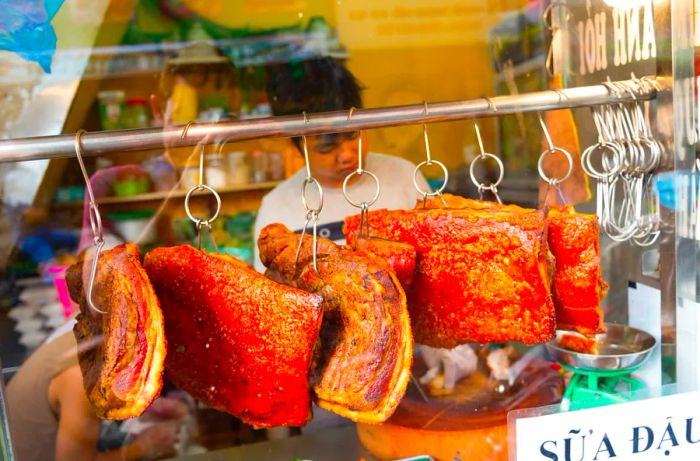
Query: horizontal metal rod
[99, 143]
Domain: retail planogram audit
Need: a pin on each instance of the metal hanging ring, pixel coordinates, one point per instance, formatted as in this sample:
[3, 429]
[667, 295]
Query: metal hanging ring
[376, 190]
[540, 166]
[197, 221]
[473, 175]
[305, 202]
[603, 147]
[415, 178]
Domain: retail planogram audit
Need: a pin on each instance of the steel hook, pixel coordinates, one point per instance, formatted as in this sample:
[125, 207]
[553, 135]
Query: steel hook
[95, 222]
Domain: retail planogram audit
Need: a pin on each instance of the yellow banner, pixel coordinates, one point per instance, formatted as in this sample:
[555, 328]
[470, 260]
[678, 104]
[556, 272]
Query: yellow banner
[411, 23]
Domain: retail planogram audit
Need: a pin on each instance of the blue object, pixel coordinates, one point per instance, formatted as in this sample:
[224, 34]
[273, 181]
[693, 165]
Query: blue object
[436, 183]
[25, 29]
[665, 185]
[40, 245]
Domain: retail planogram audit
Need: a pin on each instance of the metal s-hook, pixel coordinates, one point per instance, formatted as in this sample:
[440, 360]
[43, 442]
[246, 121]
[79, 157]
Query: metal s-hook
[364, 205]
[429, 161]
[311, 213]
[493, 187]
[491, 104]
[200, 223]
[546, 131]
[95, 222]
[425, 135]
[185, 129]
[552, 149]
[306, 150]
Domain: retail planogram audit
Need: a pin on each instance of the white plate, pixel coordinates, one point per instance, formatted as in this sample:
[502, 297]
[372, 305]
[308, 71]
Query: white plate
[26, 326]
[52, 309]
[55, 321]
[21, 313]
[39, 295]
[32, 340]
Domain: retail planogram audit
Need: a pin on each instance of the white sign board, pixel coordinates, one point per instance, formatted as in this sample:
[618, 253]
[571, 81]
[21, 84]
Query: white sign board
[663, 428]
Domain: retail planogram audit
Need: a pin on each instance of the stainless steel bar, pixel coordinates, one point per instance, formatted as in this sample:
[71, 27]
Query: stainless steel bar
[50, 147]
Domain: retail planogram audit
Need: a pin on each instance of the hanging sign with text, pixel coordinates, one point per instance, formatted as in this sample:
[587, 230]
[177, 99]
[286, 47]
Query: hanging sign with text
[659, 428]
[604, 38]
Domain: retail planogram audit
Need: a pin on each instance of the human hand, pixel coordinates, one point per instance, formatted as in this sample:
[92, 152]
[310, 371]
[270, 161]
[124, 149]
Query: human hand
[158, 441]
[166, 408]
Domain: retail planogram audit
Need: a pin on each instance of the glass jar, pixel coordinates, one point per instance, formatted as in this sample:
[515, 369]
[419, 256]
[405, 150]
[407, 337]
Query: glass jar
[238, 168]
[214, 172]
[135, 114]
[111, 105]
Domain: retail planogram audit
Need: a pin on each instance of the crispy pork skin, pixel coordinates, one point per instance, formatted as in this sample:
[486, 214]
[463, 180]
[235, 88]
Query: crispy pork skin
[121, 353]
[578, 287]
[365, 352]
[237, 341]
[481, 275]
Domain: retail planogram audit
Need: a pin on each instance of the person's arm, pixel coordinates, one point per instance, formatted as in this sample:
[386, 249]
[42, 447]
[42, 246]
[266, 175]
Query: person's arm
[78, 427]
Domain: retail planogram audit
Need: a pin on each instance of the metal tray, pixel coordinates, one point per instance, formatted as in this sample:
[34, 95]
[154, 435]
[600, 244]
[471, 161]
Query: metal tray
[620, 348]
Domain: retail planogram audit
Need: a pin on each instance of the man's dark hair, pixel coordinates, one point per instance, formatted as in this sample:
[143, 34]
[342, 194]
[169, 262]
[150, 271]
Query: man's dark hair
[314, 85]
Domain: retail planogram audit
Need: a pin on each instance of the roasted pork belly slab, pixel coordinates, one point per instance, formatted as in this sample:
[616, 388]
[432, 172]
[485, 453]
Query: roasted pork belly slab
[578, 287]
[237, 341]
[481, 276]
[121, 353]
[365, 351]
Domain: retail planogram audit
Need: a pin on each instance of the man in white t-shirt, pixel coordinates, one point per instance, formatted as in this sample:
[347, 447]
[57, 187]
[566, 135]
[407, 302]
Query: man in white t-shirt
[322, 85]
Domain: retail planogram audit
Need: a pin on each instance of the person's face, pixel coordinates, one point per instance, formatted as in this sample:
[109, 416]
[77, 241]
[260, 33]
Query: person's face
[333, 157]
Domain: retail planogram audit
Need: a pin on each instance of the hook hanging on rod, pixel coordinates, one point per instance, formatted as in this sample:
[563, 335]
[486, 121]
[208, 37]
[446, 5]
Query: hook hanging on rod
[427, 162]
[553, 182]
[311, 213]
[364, 205]
[201, 186]
[95, 223]
[493, 187]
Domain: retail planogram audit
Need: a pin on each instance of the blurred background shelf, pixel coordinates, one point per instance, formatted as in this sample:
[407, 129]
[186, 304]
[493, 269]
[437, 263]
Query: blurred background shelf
[160, 196]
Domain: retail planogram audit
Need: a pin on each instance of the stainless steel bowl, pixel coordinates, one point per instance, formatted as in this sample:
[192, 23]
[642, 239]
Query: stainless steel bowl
[620, 348]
